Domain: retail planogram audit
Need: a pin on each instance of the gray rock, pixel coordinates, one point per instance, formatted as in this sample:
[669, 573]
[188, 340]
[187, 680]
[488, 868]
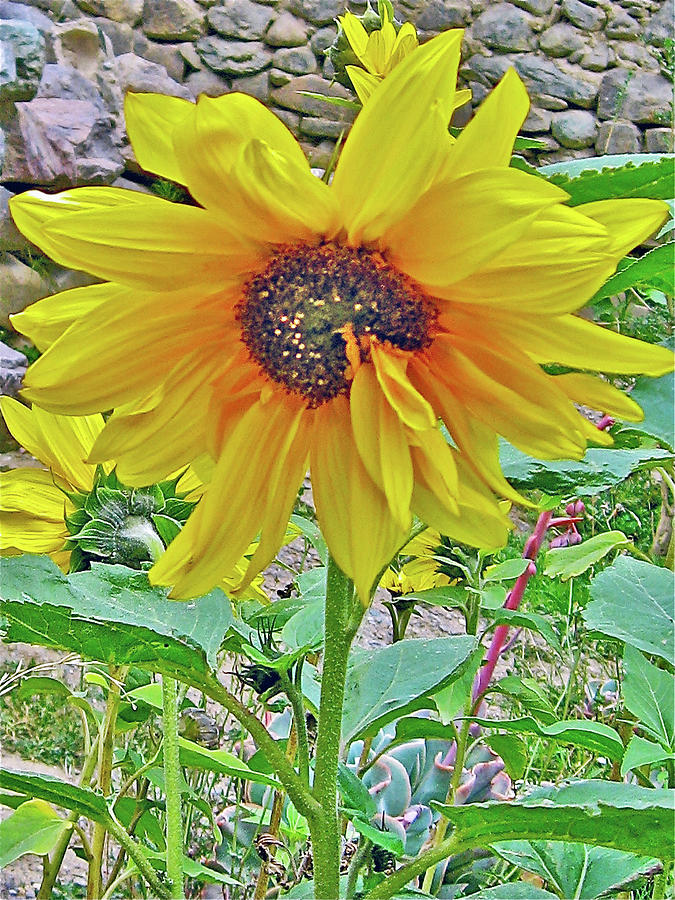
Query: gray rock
[596, 58]
[120, 35]
[289, 97]
[206, 82]
[290, 119]
[538, 7]
[555, 104]
[632, 55]
[575, 128]
[172, 20]
[588, 18]
[60, 143]
[296, 60]
[233, 57]
[254, 85]
[318, 12]
[315, 126]
[542, 76]
[322, 39]
[660, 27]
[21, 286]
[439, 15]
[167, 55]
[659, 140]
[23, 57]
[136, 74]
[13, 367]
[278, 77]
[618, 137]
[240, 19]
[641, 97]
[78, 44]
[486, 69]
[10, 236]
[537, 121]
[288, 31]
[128, 11]
[190, 56]
[66, 83]
[622, 27]
[504, 27]
[561, 39]
[11, 10]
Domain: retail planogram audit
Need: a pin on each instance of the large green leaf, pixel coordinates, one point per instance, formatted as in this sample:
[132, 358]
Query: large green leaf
[633, 601]
[111, 614]
[576, 870]
[653, 270]
[32, 828]
[569, 562]
[649, 693]
[600, 813]
[598, 470]
[608, 177]
[533, 621]
[385, 684]
[655, 396]
[53, 790]
[595, 736]
[195, 756]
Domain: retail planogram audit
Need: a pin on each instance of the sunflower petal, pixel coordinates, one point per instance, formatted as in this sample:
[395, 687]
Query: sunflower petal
[457, 226]
[399, 140]
[32, 492]
[45, 321]
[208, 144]
[61, 442]
[353, 513]
[217, 534]
[628, 222]
[598, 394]
[381, 441]
[488, 138]
[151, 120]
[410, 406]
[153, 329]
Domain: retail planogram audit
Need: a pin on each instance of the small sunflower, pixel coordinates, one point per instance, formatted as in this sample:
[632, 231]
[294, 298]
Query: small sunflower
[283, 323]
[416, 567]
[375, 44]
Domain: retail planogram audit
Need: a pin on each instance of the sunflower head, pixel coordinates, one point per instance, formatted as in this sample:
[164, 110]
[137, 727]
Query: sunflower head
[129, 526]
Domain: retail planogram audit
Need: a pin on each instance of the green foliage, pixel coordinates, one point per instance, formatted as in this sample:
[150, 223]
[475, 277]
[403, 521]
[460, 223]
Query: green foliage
[598, 813]
[633, 602]
[577, 870]
[607, 177]
[385, 684]
[34, 827]
[111, 613]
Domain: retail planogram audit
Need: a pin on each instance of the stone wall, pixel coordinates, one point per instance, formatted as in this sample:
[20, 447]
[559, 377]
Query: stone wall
[599, 73]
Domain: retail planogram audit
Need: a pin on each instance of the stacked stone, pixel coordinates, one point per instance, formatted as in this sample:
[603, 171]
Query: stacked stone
[598, 71]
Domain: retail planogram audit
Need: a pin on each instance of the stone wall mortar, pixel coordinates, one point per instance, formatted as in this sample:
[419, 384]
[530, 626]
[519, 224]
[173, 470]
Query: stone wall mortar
[599, 74]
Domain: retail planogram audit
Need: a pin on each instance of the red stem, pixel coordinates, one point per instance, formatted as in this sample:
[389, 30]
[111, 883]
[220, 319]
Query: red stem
[513, 600]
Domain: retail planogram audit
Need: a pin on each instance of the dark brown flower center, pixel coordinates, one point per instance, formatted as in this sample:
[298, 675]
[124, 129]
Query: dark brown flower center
[300, 313]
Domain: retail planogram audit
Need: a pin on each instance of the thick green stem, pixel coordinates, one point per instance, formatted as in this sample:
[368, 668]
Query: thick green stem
[106, 747]
[341, 622]
[172, 785]
[294, 694]
[135, 852]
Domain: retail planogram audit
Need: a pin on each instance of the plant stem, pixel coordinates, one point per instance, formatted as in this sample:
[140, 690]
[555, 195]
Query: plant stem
[106, 745]
[172, 786]
[340, 628]
[356, 865]
[512, 601]
[401, 877]
[135, 852]
[294, 694]
[51, 869]
[299, 793]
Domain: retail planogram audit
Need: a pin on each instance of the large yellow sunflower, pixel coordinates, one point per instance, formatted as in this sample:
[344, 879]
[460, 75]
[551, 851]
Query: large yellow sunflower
[282, 322]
